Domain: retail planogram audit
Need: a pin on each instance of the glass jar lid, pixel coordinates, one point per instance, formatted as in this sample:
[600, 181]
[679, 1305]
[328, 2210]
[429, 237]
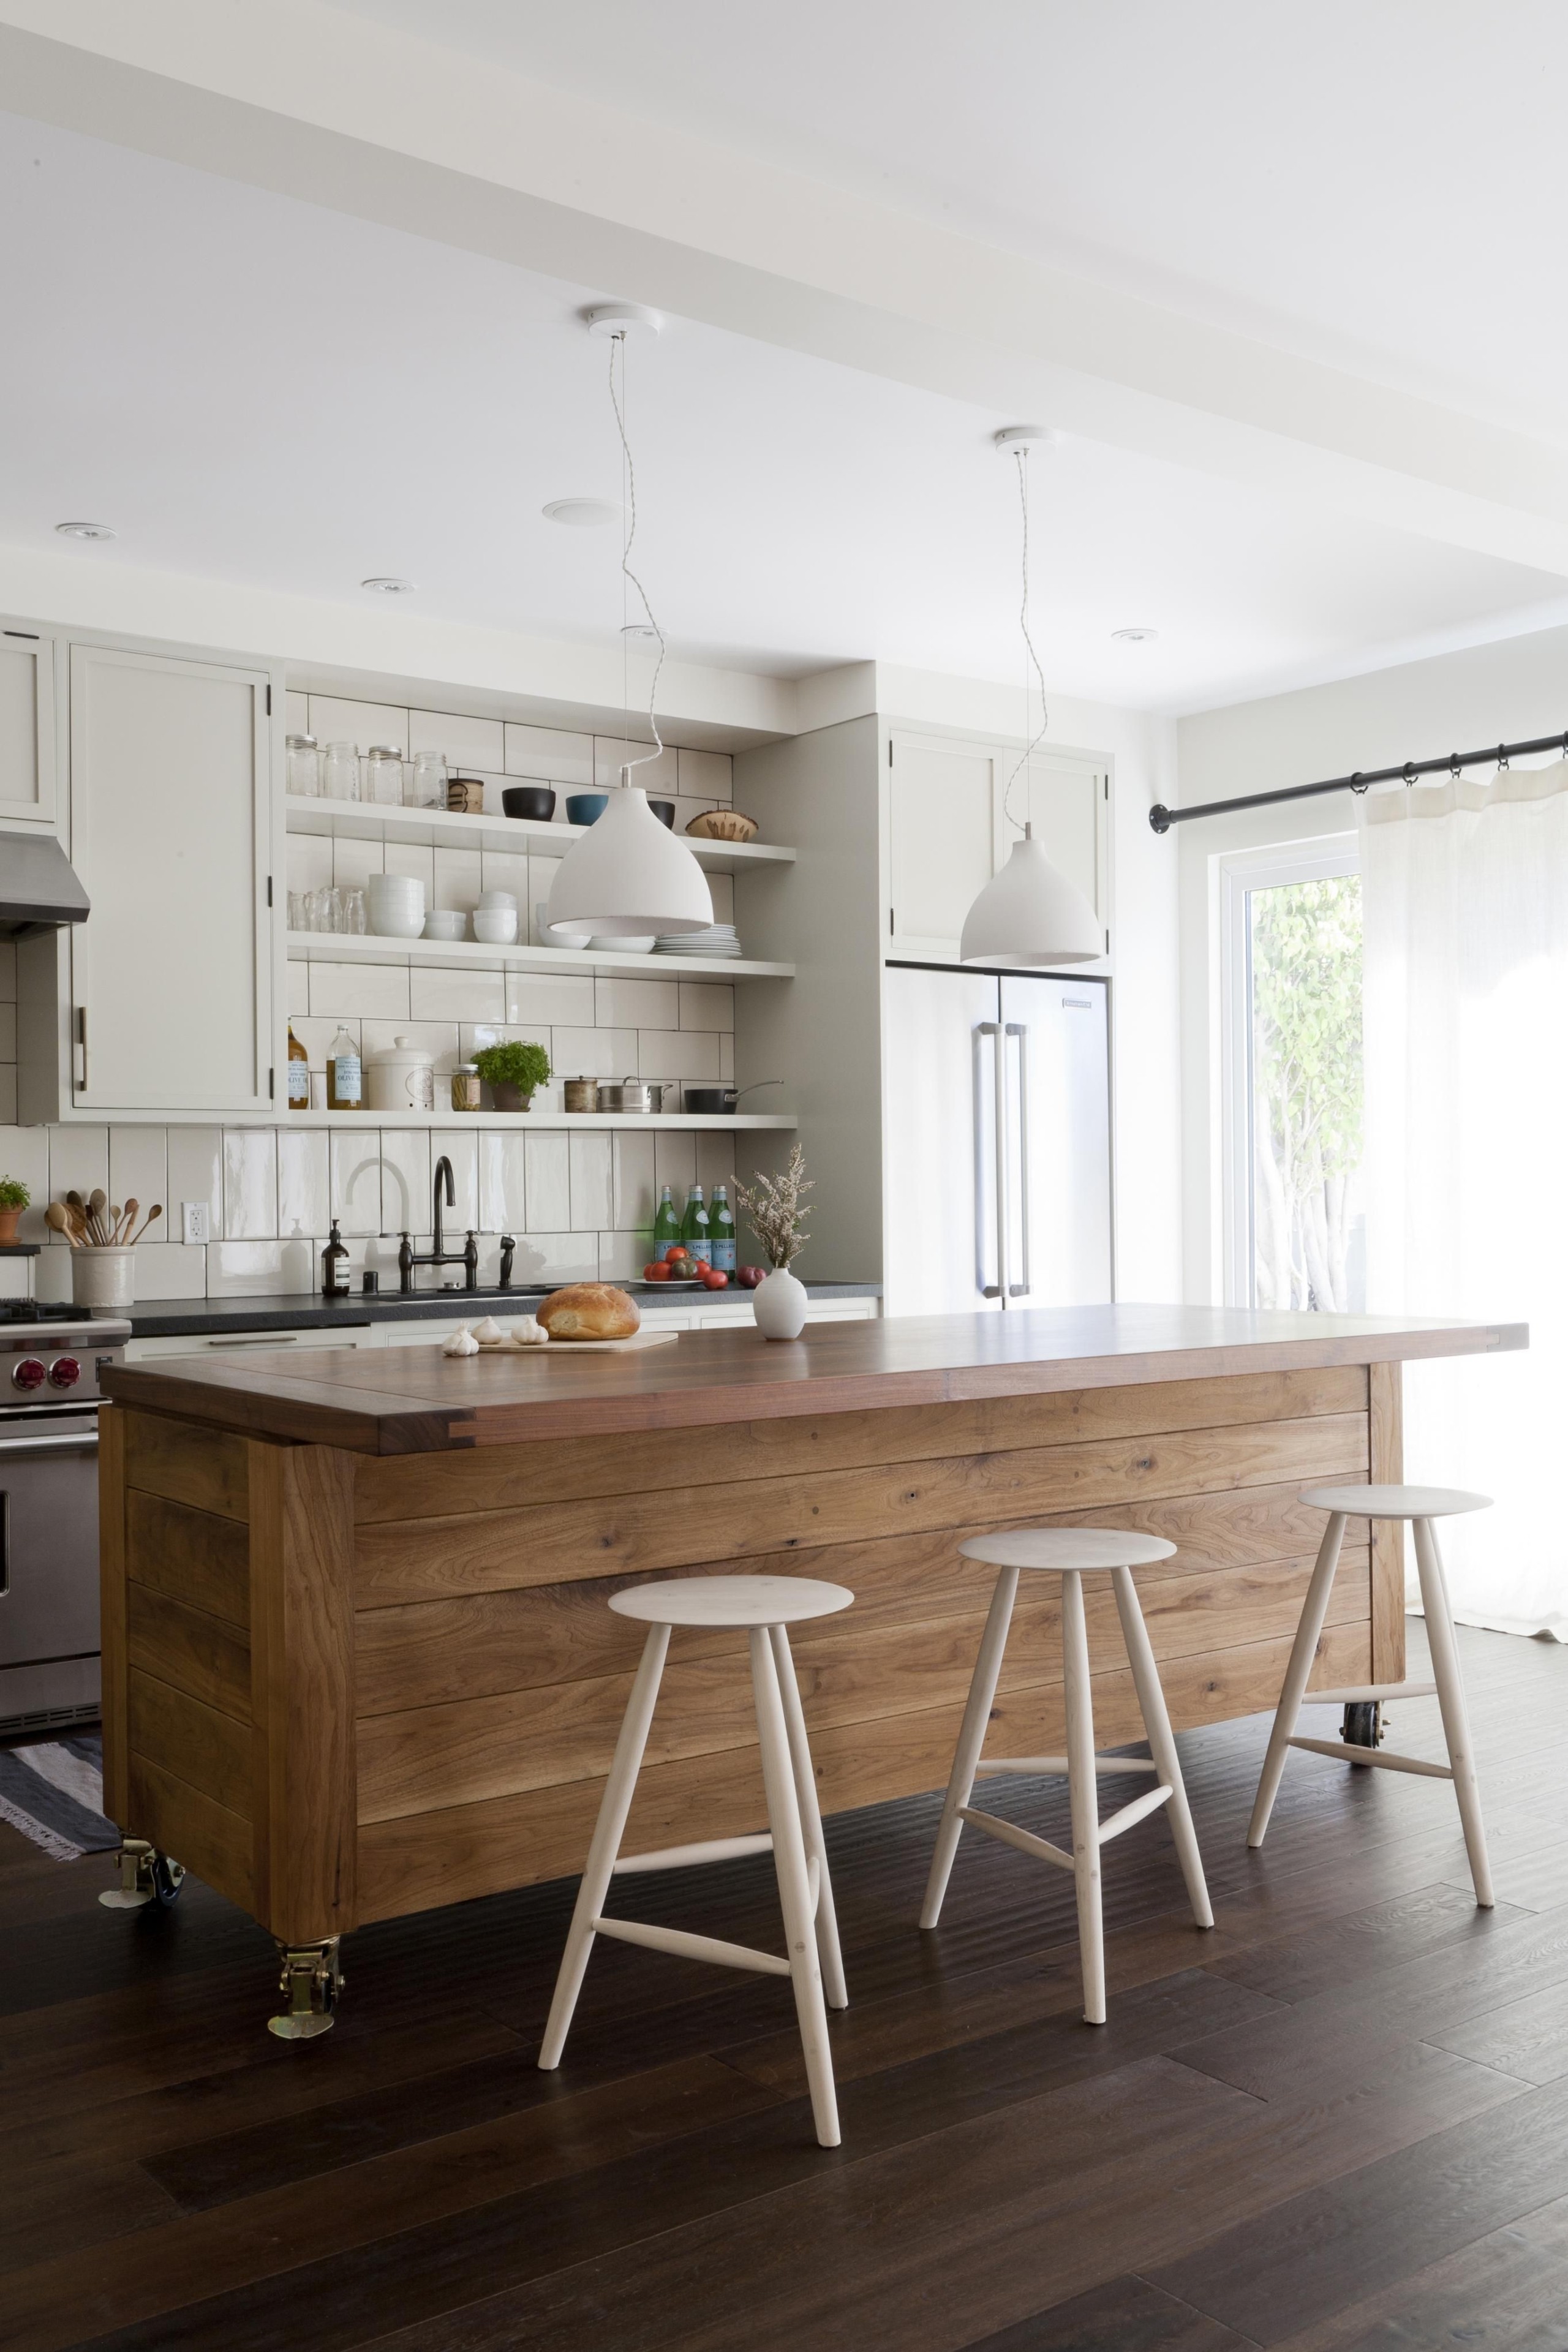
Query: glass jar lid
[300, 742]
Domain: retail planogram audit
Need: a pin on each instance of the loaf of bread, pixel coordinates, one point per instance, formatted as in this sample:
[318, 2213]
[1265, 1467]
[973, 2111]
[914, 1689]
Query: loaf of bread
[590, 1310]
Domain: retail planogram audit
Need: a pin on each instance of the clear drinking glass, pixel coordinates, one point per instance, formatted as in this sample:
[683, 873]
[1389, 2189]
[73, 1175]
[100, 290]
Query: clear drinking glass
[428, 781]
[304, 766]
[340, 772]
[318, 917]
[299, 910]
[353, 912]
[381, 778]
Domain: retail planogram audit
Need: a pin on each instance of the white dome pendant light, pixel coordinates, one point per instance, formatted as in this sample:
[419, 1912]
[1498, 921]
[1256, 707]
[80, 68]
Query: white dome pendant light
[1030, 913]
[629, 876]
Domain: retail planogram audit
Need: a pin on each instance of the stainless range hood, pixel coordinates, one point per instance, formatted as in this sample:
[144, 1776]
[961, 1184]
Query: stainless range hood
[38, 890]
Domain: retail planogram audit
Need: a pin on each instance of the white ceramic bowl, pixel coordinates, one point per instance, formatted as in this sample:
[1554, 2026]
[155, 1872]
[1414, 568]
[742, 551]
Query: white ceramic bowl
[553, 939]
[446, 923]
[394, 904]
[502, 898]
[495, 925]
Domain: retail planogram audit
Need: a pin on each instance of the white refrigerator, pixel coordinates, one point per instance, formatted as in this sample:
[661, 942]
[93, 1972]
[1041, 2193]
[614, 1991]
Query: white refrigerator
[996, 1141]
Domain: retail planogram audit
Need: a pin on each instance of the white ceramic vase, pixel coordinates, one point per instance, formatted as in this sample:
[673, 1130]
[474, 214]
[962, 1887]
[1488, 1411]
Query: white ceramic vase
[778, 1303]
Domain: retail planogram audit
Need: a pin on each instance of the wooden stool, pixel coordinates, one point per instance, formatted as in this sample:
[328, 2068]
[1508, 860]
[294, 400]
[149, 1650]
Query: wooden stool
[1421, 1506]
[1070, 1553]
[762, 1606]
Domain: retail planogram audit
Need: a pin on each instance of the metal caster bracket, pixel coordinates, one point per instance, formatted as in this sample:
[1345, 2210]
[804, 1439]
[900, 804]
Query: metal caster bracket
[145, 1877]
[309, 1983]
[1363, 1726]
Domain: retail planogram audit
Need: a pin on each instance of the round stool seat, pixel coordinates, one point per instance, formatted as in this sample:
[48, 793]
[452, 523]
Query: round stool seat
[1395, 1502]
[1065, 1548]
[735, 1601]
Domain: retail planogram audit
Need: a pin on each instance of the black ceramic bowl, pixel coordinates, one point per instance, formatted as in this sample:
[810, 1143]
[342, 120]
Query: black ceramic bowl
[664, 811]
[536, 800]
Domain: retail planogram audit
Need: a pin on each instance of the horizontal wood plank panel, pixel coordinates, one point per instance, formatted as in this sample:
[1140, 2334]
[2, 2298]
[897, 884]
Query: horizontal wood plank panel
[186, 1463]
[190, 1826]
[427, 1652]
[205, 1748]
[474, 1748]
[517, 1476]
[191, 1554]
[198, 1654]
[461, 1852]
[556, 1542]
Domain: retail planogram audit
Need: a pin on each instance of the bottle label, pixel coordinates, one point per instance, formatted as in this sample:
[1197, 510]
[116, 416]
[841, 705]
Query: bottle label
[723, 1253]
[300, 1085]
[347, 1079]
[701, 1249]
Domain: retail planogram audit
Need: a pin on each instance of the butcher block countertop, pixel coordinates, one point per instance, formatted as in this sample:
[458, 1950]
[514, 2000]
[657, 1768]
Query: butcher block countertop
[417, 1401]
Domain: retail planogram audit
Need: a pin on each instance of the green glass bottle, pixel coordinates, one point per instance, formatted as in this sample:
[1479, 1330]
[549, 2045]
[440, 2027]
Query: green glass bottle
[694, 1228]
[721, 1229]
[666, 1228]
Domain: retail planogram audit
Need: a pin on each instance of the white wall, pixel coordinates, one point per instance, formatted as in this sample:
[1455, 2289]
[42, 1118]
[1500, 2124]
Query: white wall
[1489, 694]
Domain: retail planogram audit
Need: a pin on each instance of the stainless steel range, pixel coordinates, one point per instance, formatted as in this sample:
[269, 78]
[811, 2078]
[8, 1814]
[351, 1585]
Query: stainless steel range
[50, 1357]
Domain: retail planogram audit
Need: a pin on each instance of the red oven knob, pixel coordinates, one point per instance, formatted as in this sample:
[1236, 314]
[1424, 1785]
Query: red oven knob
[65, 1373]
[27, 1374]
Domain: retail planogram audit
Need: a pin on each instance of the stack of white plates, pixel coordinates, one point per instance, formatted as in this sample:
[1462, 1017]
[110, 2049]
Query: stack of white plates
[718, 939]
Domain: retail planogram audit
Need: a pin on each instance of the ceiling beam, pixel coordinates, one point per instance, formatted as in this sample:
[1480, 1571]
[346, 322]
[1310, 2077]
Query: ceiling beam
[315, 103]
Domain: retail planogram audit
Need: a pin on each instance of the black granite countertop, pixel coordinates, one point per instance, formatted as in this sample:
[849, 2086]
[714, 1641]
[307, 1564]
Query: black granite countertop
[159, 1318]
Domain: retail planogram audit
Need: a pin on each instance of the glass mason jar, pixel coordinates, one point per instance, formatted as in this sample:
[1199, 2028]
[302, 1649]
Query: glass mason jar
[340, 772]
[428, 781]
[380, 779]
[304, 766]
[465, 1086]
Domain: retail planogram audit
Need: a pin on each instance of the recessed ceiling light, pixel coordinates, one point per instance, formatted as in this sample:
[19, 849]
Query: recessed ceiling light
[386, 583]
[1133, 636]
[584, 513]
[84, 531]
[638, 633]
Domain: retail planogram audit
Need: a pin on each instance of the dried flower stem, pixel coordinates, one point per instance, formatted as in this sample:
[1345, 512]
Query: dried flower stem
[774, 1210]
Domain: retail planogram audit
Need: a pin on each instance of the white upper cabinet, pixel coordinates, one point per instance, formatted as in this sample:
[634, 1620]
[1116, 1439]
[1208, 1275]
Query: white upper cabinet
[26, 727]
[171, 823]
[1067, 802]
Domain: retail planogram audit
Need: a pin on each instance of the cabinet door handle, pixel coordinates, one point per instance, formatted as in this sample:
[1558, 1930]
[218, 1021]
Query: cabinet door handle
[989, 1289]
[1020, 1029]
[81, 1041]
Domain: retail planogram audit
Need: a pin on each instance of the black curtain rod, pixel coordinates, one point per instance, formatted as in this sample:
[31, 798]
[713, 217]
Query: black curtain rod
[1162, 818]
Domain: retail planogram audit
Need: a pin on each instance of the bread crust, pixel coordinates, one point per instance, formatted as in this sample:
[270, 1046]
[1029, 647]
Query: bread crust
[590, 1310]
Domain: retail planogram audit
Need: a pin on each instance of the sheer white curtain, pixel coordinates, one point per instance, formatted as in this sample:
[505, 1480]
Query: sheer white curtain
[1466, 897]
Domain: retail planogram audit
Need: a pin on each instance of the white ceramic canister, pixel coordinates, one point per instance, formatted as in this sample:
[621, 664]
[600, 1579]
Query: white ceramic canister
[401, 1076]
[779, 1304]
[104, 1277]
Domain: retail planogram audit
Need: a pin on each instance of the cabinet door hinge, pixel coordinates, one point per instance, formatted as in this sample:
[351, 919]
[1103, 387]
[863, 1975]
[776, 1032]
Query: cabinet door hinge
[271, 1078]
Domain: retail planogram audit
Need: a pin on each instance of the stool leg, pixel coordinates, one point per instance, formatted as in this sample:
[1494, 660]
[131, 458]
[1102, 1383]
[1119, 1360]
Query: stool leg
[1313, 1610]
[608, 1830]
[1083, 1789]
[1161, 1742]
[831, 1957]
[970, 1741]
[794, 1887]
[1451, 1701]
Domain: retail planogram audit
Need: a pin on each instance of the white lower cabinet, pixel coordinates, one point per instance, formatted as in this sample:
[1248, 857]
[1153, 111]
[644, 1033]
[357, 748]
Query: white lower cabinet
[161, 1348]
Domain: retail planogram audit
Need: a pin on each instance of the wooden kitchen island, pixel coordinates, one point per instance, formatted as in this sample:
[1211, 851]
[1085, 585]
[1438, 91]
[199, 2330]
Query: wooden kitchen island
[357, 1660]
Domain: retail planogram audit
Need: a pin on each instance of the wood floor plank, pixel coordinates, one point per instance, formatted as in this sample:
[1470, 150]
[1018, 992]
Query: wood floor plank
[1508, 2291]
[1126, 2315]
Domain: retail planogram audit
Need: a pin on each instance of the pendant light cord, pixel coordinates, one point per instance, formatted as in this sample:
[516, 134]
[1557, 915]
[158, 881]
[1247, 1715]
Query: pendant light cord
[618, 343]
[1022, 456]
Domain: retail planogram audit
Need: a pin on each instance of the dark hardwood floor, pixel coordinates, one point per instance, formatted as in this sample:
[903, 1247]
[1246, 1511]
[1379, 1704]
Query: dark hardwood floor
[1338, 2122]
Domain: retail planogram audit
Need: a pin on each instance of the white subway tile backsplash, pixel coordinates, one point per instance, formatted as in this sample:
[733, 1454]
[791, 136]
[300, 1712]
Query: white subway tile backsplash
[406, 1165]
[542, 872]
[458, 880]
[249, 1184]
[636, 1003]
[353, 863]
[139, 1171]
[634, 1197]
[466, 743]
[507, 870]
[556, 1258]
[246, 1268]
[461, 1147]
[303, 1182]
[549, 755]
[297, 989]
[716, 1161]
[195, 1173]
[727, 1061]
[308, 861]
[25, 1154]
[590, 1180]
[356, 990]
[296, 713]
[675, 1160]
[622, 1256]
[542, 998]
[705, 1007]
[178, 1271]
[549, 1181]
[437, 1038]
[655, 777]
[503, 1198]
[417, 865]
[78, 1161]
[356, 1180]
[439, 993]
[335, 721]
[677, 1054]
[704, 775]
[594, 1053]
[52, 1274]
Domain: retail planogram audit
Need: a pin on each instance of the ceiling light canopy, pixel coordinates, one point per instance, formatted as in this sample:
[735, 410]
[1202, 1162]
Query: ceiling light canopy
[387, 584]
[584, 514]
[86, 530]
[1030, 913]
[1139, 637]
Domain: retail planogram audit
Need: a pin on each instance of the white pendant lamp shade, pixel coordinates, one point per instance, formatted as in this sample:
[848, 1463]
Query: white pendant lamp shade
[629, 877]
[1031, 913]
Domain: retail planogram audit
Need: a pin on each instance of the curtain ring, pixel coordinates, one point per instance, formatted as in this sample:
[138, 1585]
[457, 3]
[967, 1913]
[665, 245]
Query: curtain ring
[1502, 757]
[1409, 773]
[1454, 763]
[1356, 784]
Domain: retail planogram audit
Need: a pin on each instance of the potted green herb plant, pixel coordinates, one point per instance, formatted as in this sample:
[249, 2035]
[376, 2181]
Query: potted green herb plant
[13, 1198]
[513, 1072]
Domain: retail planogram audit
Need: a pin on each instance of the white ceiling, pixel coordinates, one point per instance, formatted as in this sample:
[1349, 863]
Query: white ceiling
[248, 386]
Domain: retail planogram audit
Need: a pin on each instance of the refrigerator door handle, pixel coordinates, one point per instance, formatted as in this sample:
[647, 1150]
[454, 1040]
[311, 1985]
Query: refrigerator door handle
[1020, 1029]
[992, 1029]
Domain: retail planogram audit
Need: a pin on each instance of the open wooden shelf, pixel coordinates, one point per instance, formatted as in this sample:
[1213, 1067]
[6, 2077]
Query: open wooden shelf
[588, 1122]
[448, 829]
[365, 946]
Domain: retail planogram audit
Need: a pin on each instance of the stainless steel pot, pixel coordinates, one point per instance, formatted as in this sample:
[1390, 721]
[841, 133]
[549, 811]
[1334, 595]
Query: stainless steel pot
[630, 1095]
[709, 1100]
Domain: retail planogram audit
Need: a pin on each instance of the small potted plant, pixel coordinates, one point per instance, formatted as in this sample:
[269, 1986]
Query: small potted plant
[13, 1198]
[513, 1072]
[776, 1217]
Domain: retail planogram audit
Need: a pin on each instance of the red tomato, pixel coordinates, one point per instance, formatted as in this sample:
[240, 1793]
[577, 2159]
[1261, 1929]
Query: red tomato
[658, 1272]
[715, 1278]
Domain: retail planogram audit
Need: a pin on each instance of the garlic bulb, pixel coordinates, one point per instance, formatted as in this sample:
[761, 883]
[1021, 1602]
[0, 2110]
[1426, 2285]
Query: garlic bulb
[530, 1333]
[461, 1343]
[489, 1334]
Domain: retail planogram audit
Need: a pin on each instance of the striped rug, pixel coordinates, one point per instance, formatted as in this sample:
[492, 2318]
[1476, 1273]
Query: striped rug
[53, 1792]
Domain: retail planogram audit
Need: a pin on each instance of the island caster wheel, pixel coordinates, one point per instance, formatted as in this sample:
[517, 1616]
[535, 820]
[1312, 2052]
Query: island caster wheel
[145, 1877]
[1362, 1726]
[310, 1984]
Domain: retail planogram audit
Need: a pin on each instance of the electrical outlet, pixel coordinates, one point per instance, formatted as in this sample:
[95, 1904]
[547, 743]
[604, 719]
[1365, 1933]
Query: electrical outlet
[195, 1224]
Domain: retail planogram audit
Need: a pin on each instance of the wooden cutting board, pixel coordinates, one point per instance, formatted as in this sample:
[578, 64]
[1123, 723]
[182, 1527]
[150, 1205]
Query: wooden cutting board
[581, 1347]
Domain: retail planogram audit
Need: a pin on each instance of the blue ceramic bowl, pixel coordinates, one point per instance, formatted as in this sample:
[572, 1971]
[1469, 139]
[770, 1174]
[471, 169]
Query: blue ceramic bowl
[585, 808]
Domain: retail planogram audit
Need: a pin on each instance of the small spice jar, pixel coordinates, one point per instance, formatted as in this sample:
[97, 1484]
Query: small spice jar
[465, 1086]
[581, 1093]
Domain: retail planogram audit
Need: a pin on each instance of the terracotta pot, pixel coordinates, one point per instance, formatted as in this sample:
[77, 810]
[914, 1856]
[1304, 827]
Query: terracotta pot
[779, 1304]
[511, 1097]
[9, 1221]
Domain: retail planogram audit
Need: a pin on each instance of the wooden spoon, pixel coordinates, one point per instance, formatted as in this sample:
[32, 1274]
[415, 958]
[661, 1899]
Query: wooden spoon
[97, 1202]
[124, 1219]
[58, 1218]
[154, 1213]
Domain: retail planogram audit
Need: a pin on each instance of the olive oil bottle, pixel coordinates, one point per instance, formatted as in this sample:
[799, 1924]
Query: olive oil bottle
[346, 1075]
[299, 1073]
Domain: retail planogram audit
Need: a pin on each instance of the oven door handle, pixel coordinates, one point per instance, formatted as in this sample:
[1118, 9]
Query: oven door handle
[10, 1447]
